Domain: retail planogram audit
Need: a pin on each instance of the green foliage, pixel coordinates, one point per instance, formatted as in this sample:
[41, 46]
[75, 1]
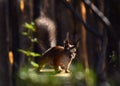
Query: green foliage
[90, 78]
[113, 57]
[29, 53]
[28, 77]
[30, 26]
[34, 64]
[85, 76]
[30, 29]
[78, 77]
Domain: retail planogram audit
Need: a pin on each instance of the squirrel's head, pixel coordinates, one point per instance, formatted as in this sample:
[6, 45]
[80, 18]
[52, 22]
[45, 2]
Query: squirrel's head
[71, 49]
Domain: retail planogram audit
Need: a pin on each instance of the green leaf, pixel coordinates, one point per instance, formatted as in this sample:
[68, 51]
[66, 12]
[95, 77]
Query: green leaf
[32, 23]
[29, 26]
[29, 53]
[113, 57]
[34, 54]
[34, 40]
[24, 52]
[34, 64]
[25, 33]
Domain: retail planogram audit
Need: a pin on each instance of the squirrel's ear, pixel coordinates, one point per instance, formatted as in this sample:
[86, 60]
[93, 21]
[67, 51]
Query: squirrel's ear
[66, 41]
[67, 38]
[77, 43]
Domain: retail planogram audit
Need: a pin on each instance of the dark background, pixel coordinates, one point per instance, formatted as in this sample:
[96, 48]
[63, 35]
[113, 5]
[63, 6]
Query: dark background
[94, 52]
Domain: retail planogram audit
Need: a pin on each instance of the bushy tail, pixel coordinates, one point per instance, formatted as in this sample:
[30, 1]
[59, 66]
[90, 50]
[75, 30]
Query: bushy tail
[45, 33]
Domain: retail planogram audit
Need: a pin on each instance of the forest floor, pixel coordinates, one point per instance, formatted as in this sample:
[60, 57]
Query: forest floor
[48, 77]
[66, 79]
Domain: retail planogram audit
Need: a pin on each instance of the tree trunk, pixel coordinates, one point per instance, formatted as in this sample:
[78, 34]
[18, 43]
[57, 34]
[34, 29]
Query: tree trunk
[14, 31]
[84, 38]
[113, 13]
[102, 45]
[4, 62]
[119, 56]
[98, 45]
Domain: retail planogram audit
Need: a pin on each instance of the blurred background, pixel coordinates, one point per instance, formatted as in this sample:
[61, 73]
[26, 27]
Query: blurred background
[94, 22]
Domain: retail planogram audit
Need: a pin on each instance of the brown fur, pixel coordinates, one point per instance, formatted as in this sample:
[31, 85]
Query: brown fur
[58, 57]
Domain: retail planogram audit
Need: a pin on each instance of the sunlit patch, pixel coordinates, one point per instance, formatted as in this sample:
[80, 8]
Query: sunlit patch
[22, 5]
[83, 8]
[11, 57]
[68, 0]
[87, 70]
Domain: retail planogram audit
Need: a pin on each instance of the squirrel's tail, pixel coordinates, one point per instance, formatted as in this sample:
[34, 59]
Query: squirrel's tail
[45, 33]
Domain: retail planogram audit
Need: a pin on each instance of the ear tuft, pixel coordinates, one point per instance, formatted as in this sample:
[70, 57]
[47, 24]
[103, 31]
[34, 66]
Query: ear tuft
[66, 41]
[67, 38]
[77, 43]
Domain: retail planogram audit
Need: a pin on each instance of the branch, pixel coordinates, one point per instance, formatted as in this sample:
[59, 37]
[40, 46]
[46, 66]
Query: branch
[98, 12]
[103, 18]
[77, 16]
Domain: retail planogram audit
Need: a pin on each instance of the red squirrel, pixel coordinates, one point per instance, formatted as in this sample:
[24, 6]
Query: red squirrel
[60, 57]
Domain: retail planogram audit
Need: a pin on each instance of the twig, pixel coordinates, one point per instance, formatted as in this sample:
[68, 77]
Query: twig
[77, 16]
[103, 18]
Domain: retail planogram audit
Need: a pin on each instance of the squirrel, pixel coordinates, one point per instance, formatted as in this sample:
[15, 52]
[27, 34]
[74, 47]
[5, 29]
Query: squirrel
[60, 57]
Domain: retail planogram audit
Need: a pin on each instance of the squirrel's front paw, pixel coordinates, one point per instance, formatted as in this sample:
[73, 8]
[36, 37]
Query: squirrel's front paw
[67, 71]
[58, 69]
